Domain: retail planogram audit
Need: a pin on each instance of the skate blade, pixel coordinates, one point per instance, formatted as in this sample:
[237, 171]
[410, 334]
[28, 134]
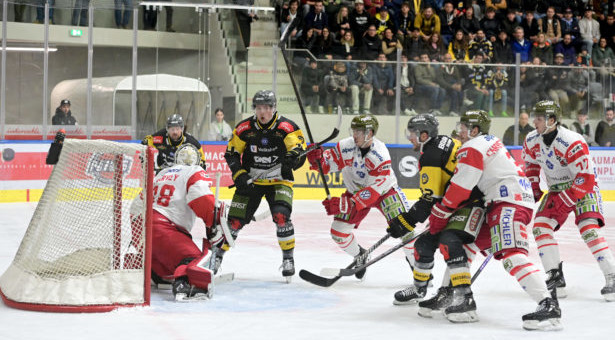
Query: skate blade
[162, 286]
[180, 297]
[561, 292]
[288, 279]
[406, 303]
[428, 312]
[545, 325]
[465, 317]
[610, 297]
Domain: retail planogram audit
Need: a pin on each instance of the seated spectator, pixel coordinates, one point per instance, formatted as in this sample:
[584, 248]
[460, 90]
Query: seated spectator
[581, 126]
[451, 80]
[426, 82]
[531, 81]
[371, 45]
[584, 90]
[219, 129]
[405, 22]
[490, 24]
[332, 9]
[390, 45]
[502, 51]
[63, 115]
[476, 84]
[383, 20]
[323, 46]
[311, 79]
[557, 82]
[530, 26]
[413, 45]
[293, 12]
[384, 87]
[499, 7]
[566, 48]
[341, 24]
[570, 25]
[306, 40]
[605, 131]
[498, 90]
[407, 84]
[316, 18]
[551, 27]
[459, 47]
[589, 29]
[510, 23]
[607, 29]
[468, 23]
[480, 44]
[447, 23]
[345, 47]
[524, 128]
[361, 81]
[427, 23]
[434, 48]
[521, 45]
[337, 87]
[542, 50]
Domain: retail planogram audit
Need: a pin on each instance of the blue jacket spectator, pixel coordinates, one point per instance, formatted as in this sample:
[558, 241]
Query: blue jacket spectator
[566, 47]
[521, 45]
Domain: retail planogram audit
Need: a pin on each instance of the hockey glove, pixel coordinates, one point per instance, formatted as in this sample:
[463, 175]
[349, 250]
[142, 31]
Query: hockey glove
[337, 205]
[315, 156]
[439, 218]
[561, 203]
[399, 226]
[537, 192]
[290, 162]
[243, 181]
[60, 136]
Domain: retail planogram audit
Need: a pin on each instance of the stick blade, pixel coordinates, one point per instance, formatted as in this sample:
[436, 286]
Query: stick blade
[316, 279]
[330, 271]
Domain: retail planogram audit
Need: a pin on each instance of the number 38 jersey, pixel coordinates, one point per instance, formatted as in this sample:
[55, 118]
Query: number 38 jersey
[183, 192]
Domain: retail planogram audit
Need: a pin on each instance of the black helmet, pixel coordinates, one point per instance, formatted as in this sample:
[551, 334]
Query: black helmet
[549, 109]
[264, 97]
[478, 118]
[175, 120]
[364, 122]
[424, 122]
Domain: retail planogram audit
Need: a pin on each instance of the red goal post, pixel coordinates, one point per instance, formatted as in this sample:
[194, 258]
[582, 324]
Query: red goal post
[88, 245]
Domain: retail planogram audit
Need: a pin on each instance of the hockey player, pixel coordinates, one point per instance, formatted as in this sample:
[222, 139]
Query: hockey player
[169, 139]
[182, 193]
[483, 161]
[564, 157]
[258, 145]
[437, 164]
[370, 182]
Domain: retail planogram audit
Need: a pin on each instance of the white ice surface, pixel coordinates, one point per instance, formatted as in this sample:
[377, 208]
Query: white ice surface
[259, 305]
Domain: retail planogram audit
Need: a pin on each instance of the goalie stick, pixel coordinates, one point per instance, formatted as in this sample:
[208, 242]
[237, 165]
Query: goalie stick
[326, 282]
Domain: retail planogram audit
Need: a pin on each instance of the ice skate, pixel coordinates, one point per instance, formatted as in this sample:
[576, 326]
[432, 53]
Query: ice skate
[288, 269]
[361, 260]
[462, 308]
[217, 261]
[555, 280]
[410, 295]
[437, 303]
[184, 292]
[546, 317]
[609, 289]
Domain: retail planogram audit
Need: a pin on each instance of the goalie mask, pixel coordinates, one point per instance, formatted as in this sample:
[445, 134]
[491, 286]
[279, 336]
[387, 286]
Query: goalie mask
[187, 154]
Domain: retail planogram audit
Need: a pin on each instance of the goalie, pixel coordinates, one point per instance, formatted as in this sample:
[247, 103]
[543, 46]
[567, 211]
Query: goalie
[182, 193]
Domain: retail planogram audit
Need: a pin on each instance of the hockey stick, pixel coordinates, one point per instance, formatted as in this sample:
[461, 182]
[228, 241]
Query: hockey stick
[300, 102]
[480, 269]
[326, 282]
[352, 271]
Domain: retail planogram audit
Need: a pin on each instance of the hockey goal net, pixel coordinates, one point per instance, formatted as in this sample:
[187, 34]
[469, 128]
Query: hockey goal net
[87, 248]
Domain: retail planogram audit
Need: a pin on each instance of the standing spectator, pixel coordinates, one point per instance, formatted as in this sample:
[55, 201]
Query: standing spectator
[558, 81]
[570, 25]
[434, 47]
[521, 45]
[405, 22]
[605, 130]
[80, 13]
[530, 26]
[244, 20]
[384, 86]
[426, 82]
[502, 51]
[427, 23]
[498, 90]
[551, 27]
[220, 130]
[311, 80]
[477, 91]
[19, 9]
[567, 49]
[337, 86]
[361, 82]
[581, 126]
[447, 23]
[317, 18]
[383, 20]
[451, 80]
[590, 29]
[413, 45]
[407, 83]
[459, 47]
[359, 21]
[490, 24]
[293, 12]
[390, 45]
[524, 128]
[122, 19]
[468, 23]
[40, 11]
[150, 18]
[63, 115]
[542, 50]
[480, 44]
[372, 45]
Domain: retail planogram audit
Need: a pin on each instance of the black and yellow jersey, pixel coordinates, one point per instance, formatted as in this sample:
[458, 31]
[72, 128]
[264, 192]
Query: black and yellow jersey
[256, 149]
[166, 147]
[437, 164]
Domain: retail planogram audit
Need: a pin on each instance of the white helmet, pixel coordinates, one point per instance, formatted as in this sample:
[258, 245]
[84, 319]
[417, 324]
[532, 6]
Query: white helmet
[187, 154]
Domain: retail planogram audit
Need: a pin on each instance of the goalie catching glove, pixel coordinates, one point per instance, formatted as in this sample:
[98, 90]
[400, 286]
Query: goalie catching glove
[439, 218]
[400, 225]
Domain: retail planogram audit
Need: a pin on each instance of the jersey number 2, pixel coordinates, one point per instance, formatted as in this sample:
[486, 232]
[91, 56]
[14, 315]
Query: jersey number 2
[163, 197]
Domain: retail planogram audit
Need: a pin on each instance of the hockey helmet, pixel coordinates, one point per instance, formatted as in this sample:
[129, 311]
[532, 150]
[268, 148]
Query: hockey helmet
[424, 122]
[187, 154]
[478, 118]
[264, 97]
[548, 109]
[365, 122]
[175, 120]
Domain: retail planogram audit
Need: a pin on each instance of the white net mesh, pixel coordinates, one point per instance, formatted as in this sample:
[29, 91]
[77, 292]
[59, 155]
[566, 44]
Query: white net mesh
[85, 244]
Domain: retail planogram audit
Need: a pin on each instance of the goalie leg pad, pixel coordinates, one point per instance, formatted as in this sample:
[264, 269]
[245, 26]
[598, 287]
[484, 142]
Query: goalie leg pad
[199, 272]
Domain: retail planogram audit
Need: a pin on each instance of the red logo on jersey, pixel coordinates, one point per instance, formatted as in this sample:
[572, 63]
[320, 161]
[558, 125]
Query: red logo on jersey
[494, 148]
[158, 140]
[286, 126]
[242, 127]
[369, 164]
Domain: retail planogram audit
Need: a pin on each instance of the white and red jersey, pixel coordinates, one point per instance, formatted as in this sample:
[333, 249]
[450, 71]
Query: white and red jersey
[483, 161]
[565, 163]
[366, 177]
[181, 193]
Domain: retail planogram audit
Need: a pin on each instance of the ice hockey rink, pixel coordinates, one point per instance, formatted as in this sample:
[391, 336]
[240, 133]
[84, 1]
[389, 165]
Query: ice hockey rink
[258, 304]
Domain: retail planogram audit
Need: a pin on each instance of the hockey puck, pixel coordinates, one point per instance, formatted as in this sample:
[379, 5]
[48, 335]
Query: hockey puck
[8, 155]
